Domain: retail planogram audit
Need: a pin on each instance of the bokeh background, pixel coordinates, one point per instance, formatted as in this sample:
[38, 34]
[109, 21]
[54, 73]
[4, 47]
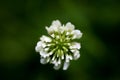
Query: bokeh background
[22, 22]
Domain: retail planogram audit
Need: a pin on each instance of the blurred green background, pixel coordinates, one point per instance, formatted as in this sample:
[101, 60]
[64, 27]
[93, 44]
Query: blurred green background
[22, 22]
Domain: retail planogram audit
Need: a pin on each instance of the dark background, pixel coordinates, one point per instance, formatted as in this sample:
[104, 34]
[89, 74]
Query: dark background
[22, 22]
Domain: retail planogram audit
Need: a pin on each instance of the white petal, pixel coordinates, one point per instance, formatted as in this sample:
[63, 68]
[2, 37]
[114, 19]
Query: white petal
[59, 61]
[57, 67]
[44, 54]
[38, 48]
[54, 61]
[75, 45]
[76, 55]
[68, 58]
[52, 29]
[66, 65]
[44, 60]
[68, 33]
[53, 35]
[56, 23]
[45, 39]
[46, 49]
[76, 34]
[49, 30]
[39, 43]
[53, 58]
[57, 37]
[69, 26]
[61, 29]
[62, 56]
[50, 53]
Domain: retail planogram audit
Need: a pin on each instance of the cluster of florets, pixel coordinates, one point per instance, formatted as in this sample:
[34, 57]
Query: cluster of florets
[59, 48]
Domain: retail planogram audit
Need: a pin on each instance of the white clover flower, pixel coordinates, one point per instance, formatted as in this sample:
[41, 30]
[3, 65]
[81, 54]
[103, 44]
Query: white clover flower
[59, 48]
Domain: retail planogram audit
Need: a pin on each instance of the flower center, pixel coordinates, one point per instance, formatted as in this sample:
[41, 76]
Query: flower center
[60, 44]
[61, 40]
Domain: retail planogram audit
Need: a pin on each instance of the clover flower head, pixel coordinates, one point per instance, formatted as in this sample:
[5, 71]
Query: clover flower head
[59, 48]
